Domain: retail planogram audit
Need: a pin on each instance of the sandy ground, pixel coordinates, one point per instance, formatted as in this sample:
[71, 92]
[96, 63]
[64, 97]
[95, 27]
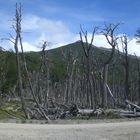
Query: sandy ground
[100, 131]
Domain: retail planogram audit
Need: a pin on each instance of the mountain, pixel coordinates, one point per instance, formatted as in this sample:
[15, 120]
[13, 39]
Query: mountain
[58, 63]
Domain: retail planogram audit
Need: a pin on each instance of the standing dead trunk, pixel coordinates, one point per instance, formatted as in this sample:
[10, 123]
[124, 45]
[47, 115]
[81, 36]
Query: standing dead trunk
[108, 32]
[17, 28]
[126, 66]
[70, 60]
[71, 80]
[30, 83]
[88, 66]
[104, 88]
[45, 68]
[138, 64]
[137, 35]
[18, 39]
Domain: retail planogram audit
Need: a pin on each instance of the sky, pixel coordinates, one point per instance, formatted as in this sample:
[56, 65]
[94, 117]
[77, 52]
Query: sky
[58, 21]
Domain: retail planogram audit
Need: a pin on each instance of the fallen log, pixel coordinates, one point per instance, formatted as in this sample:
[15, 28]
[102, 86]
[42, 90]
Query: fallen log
[85, 112]
[137, 114]
[125, 113]
[111, 94]
[133, 105]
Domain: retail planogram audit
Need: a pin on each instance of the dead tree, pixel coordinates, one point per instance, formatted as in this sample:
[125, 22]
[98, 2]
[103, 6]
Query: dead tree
[125, 63]
[30, 83]
[70, 59]
[3, 69]
[137, 35]
[18, 40]
[17, 28]
[87, 49]
[45, 73]
[138, 67]
[109, 33]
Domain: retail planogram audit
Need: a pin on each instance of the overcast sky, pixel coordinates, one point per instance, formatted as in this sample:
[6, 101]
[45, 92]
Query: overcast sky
[58, 21]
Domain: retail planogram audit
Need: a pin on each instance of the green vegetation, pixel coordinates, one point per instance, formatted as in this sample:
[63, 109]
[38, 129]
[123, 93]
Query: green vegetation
[11, 110]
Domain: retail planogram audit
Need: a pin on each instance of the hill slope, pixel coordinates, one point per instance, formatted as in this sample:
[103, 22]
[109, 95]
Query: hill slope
[57, 59]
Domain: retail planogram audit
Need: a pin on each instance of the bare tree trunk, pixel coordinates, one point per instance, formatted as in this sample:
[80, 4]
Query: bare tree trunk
[71, 80]
[138, 64]
[139, 90]
[18, 31]
[104, 88]
[108, 32]
[46, 73]
[126, 66]
[70, 60]
[92, 93]
[88, 66]
[66, 92]
[17, 28]
[30, 83]
[127, 87]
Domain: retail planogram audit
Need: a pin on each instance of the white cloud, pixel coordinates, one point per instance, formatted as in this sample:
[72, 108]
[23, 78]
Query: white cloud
[28, 47]
[36, 30]
[134, 47]
[42, 29]
[100, 41]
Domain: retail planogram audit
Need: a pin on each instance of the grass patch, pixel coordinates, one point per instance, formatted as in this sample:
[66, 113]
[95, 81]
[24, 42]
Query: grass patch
[11, 110]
